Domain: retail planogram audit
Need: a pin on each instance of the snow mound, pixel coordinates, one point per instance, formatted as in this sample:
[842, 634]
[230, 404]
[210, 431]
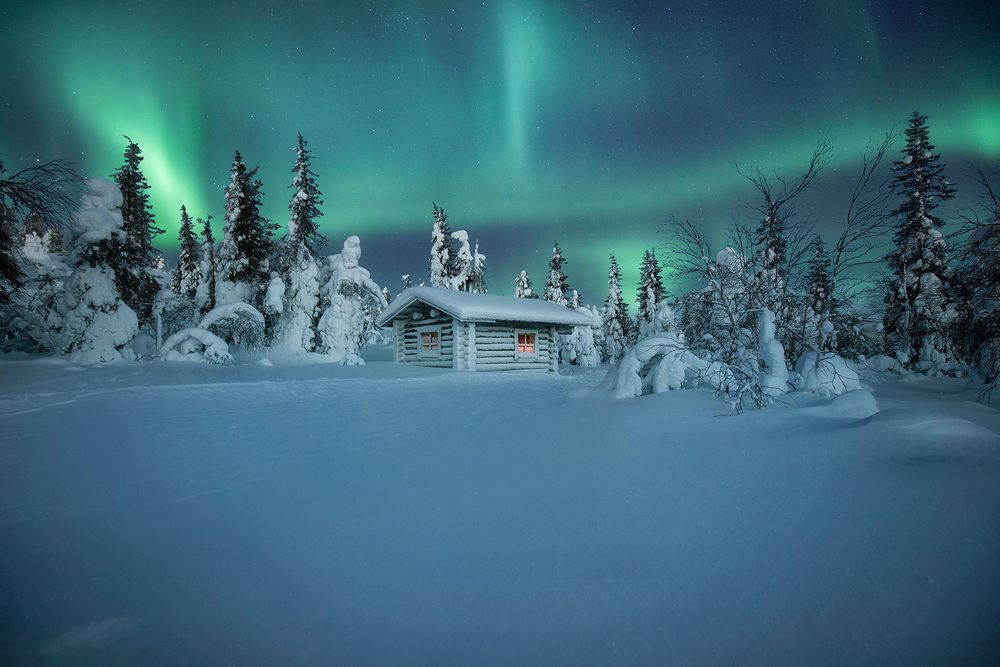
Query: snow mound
[826, 374]
[883, 363]
[194, 344]
[855, 404]
[951, 428]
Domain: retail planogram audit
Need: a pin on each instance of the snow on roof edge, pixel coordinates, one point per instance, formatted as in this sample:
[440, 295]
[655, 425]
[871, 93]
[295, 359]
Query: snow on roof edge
[472, 307]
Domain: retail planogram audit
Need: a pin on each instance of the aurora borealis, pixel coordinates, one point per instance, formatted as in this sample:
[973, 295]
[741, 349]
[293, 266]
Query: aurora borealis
[528, 121]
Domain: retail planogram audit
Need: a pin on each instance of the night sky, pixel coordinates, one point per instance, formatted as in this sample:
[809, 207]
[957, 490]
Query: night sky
[528, 121]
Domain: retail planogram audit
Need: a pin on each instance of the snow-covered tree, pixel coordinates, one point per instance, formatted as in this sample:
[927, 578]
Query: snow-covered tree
[556, 285]
[477, 277]
[819, 305]
[138, 288]
[770, 240]
[244, 270]
[98, 325]
[299, 295]
[205, 295]
[187, 275]
[918, 308]
[303, 230]
[46, 191]
[523, 287]
[342, 326]
[616, 321]
[651, 292]
[979, 281]
[583, 345]
[461, 279]
[407, 282]
[443, 251]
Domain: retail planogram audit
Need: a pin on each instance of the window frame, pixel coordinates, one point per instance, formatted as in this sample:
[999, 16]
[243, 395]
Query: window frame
[534, 343]
[428, 354]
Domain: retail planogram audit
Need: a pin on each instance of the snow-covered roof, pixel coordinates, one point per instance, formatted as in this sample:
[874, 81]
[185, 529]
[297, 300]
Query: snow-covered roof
[472, 307]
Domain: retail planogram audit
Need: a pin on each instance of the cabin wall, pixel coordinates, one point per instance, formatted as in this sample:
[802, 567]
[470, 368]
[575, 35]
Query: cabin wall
[408, 339]
[496, 346]
[474, 346]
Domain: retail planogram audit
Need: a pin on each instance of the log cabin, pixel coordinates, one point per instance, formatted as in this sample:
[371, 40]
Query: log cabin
[477, 332]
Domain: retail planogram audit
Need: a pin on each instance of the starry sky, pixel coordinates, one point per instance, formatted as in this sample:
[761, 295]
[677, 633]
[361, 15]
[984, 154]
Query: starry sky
[529, 121]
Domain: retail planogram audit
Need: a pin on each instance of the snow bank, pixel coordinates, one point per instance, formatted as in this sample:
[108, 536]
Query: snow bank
[826, 374]
[855, 404]
[883, 363]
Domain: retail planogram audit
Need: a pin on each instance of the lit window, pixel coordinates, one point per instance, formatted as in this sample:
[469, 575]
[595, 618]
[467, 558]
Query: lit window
[525, 342]
[430, 343]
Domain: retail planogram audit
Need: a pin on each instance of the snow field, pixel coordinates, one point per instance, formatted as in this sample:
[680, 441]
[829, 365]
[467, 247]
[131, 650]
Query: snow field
[166, 513]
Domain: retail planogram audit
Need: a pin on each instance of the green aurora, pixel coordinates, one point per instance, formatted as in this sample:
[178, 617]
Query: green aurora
[529, 121]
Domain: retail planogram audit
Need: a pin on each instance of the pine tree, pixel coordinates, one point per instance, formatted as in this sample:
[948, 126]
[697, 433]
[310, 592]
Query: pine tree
[206, 293]
[556, 285]
[917, 312]
[187, 275]
[443, 251]
[819, 297]
[138, 288]
[772, 247]
[303, 231]
[405, 279]
[11, 275]
[522, 286]
[460, 278]
[299, 272]
[651, 292]
[617, 323]
[978, 322]
[246, 238]
[97, 325]
[477, 277]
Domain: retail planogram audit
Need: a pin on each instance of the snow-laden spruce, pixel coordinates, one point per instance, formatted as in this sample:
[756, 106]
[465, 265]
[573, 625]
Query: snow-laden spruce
[556, 285]
[583, 345]
[442, 250]
[187, 275]
[342, 326]
[522, 286]
[919, 306]
[651, 293]
[205, 294]
[616, 320]
[246, 239]
[97, 325]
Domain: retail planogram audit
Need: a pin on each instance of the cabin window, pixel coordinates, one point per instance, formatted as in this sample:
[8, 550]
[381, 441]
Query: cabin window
[526, 343]
[430, 343]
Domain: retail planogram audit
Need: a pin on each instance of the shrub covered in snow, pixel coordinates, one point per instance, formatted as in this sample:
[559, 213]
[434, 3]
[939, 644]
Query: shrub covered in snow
[236, 323]
[662, 363]
[584, 344]
[826, 374]
[195, 344]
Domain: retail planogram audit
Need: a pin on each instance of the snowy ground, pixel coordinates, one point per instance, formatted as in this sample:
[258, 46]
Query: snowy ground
[180, 514]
